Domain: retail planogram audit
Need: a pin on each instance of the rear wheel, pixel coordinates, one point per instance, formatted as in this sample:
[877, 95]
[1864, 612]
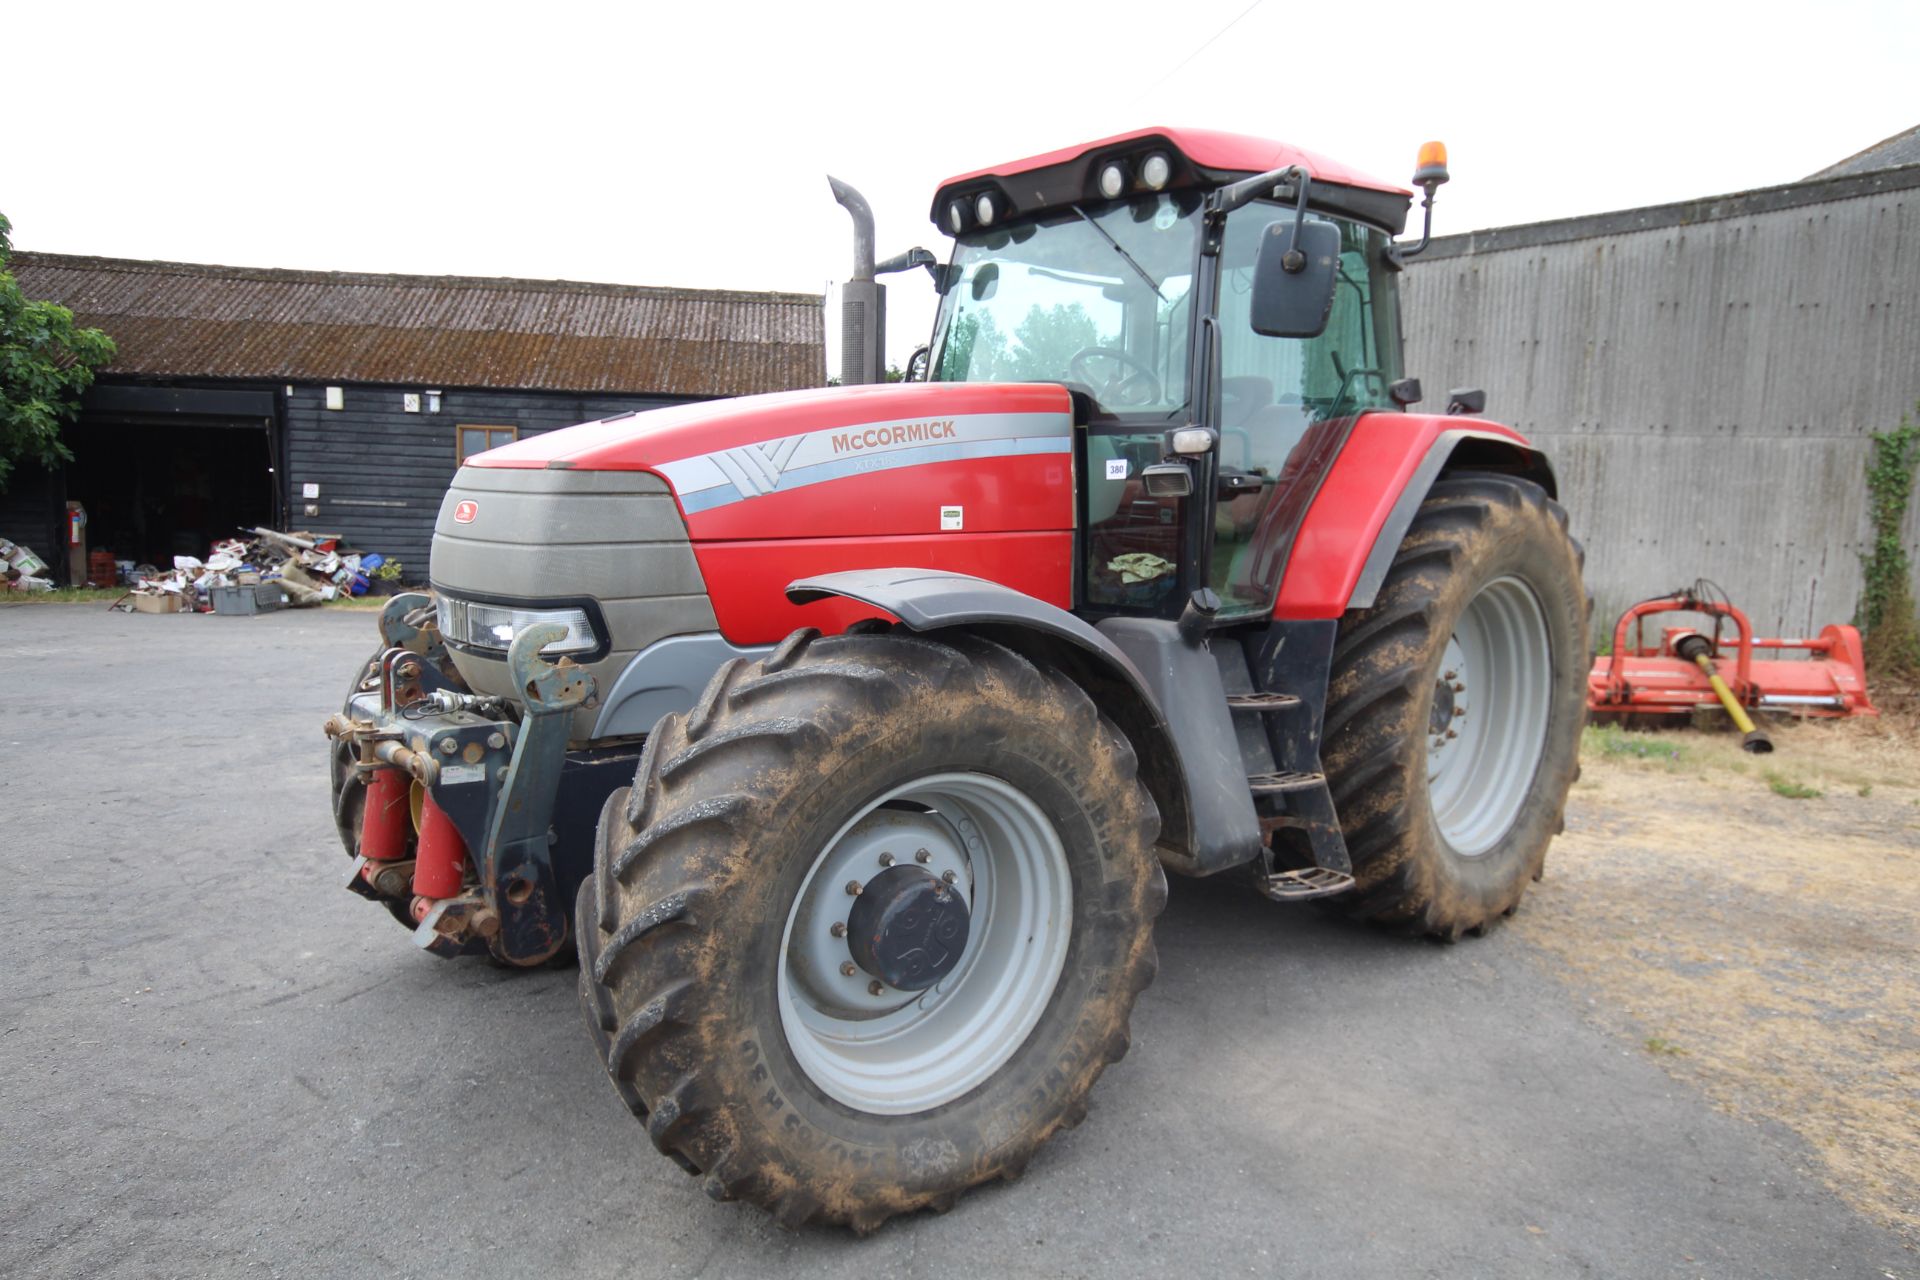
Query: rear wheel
[1454, 709]
[870, 923]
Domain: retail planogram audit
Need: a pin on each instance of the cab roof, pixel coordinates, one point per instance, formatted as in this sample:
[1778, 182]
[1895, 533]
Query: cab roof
[1201, 157]
[1208, 148]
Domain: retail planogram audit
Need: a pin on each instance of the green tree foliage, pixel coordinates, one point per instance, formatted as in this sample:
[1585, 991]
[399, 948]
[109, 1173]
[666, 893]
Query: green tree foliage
[975, 349]
[1887, 610]
[1048, 339]
[45, 363]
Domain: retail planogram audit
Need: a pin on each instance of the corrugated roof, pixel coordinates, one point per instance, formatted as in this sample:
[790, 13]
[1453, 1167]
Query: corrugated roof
[1889, 153]
[179, 319]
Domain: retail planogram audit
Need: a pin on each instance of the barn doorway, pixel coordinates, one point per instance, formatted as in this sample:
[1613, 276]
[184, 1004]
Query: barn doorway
[156, 491]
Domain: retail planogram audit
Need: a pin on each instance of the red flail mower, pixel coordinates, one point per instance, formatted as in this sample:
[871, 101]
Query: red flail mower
[1689, 668]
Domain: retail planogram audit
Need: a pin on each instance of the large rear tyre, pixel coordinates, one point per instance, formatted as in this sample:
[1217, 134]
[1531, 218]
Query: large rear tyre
[1454, 709]
[869, 923]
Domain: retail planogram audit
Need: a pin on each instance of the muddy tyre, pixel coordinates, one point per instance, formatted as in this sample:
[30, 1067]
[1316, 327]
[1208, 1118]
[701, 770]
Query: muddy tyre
[844, 1067]
[1454, 709]
[349, 798]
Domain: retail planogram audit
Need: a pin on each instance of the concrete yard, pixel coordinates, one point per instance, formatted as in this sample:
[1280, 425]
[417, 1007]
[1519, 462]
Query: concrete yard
[1692, 1053]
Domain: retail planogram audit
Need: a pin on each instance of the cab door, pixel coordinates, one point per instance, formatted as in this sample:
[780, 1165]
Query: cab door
[1287, 404]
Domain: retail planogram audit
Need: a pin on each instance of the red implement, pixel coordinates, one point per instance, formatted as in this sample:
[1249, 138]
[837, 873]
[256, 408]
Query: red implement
[1638, 678]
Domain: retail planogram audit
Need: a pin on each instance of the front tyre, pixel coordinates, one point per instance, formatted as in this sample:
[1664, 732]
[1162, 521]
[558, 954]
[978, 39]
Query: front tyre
[1454, 709]
[870, 922]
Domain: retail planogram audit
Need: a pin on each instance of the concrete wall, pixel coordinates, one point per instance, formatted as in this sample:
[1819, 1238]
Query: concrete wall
[1704, 377]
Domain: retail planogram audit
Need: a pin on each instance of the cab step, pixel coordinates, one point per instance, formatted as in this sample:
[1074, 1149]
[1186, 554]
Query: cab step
[1305, 882]
[1261, 701]
[1268, 784]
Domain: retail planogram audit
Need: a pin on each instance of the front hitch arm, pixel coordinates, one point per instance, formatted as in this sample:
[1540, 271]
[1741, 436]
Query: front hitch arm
[516, 865]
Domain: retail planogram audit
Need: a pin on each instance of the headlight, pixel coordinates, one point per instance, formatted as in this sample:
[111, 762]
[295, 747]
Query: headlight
[493, 626]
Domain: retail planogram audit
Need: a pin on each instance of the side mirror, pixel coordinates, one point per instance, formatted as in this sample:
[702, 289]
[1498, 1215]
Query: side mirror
[1468, 400]
[1293, 286]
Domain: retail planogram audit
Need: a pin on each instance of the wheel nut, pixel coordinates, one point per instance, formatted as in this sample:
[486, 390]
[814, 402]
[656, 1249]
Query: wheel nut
[886, 859]
[921, 855]
[1452, 734]
[1452, 675]
[853, 888]
[1459, 711]
[846, 968]
[1459, 688]
[948, 876]
[839, 929]
[874, 988]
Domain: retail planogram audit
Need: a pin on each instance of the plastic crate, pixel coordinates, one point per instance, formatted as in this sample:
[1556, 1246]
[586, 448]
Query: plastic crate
[262, 598]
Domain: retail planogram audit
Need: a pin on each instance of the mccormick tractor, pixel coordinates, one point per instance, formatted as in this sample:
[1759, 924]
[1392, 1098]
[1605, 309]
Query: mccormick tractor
[844, 734]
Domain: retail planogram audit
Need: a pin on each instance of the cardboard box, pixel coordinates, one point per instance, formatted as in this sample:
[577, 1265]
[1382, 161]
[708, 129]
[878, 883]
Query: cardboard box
[168, 603]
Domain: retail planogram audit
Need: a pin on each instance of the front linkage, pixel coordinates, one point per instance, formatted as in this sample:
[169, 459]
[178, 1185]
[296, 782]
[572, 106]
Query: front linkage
[447, 771]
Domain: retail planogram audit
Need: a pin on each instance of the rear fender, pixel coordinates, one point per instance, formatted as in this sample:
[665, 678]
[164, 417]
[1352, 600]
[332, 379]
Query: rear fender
[1174, 715]
[1348, 539]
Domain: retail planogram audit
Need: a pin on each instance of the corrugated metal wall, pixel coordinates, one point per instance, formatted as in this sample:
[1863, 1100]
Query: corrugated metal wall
[1704, 377]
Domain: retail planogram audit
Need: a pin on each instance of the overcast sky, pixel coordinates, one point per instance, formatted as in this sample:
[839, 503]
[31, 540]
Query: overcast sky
[686, 144]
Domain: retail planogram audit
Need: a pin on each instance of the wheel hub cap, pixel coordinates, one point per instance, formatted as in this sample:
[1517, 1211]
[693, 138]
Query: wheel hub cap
[908, 928]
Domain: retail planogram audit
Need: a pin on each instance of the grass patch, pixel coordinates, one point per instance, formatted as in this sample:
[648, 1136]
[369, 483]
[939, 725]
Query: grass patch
[63, 595]
[1663, 1047]
[1791, 790]
[1612, 740]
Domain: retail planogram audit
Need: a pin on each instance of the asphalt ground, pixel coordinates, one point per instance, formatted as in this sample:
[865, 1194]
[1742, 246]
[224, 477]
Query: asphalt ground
[215, 1061]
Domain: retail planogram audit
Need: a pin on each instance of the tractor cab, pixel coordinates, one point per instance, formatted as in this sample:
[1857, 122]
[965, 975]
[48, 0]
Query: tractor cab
[1210, 395]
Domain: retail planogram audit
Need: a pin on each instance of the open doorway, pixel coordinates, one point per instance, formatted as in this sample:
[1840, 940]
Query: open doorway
[153, 492]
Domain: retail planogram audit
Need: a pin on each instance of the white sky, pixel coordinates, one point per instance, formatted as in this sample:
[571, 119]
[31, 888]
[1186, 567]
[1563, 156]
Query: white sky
[685, 144]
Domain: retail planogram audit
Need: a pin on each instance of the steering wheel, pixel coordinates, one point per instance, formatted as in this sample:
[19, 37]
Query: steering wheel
[1135, 383]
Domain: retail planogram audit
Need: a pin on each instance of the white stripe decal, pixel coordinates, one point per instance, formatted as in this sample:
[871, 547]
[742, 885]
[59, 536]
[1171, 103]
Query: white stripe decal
[726, 476]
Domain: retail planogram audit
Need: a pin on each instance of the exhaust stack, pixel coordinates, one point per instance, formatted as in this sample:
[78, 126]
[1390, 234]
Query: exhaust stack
[863, 303]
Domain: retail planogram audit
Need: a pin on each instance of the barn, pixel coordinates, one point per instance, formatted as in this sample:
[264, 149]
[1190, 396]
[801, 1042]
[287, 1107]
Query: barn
[343, 402]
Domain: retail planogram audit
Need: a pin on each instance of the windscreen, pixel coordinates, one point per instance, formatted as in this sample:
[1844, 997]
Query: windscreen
[1095, 296]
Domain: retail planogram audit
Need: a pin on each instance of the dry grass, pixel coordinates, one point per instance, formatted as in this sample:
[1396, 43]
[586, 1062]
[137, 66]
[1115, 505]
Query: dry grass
[1764, 948]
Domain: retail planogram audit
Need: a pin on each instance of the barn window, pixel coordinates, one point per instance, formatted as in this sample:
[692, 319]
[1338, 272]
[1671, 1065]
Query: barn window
[469, 440]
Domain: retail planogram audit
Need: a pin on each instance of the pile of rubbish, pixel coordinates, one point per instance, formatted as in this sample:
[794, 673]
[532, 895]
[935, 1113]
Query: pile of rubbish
[307, 568]
[21, 570]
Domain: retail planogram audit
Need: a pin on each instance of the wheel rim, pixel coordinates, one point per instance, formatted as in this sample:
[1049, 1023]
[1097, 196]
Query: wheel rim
[896, 1052]
[1489, 716]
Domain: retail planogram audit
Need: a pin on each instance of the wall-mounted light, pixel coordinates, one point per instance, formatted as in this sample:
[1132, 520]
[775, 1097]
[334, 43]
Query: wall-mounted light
[433, 401]
[336, 398]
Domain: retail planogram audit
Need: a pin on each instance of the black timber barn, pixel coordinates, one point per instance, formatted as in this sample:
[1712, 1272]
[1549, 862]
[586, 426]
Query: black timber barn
[342, 402]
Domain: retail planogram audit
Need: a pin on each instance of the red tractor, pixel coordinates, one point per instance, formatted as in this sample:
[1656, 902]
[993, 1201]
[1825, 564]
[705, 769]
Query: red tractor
[844, 734]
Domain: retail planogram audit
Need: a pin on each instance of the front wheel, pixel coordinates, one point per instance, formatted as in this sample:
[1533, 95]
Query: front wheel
[1454, 709]
[870, 922]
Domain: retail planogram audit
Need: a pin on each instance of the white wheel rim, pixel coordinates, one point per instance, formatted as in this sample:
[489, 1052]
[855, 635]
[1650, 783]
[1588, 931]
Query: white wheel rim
[899, 1052]
[1489, 720]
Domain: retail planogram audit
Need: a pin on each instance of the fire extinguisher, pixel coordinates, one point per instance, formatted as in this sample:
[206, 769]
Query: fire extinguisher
[76, 544]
